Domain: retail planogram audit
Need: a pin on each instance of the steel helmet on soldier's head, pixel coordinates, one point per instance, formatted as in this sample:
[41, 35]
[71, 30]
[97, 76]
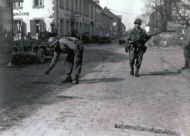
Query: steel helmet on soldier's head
[138, 21]
[52, 41]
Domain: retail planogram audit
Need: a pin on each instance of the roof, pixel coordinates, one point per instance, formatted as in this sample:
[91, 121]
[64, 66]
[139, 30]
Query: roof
[109, 13]
[94, 3]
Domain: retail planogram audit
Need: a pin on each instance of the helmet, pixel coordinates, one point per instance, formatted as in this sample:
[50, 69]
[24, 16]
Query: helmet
[138, 21]
[52, 41]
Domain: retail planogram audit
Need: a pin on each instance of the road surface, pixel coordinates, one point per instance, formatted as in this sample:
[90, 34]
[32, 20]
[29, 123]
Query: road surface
[107, 102]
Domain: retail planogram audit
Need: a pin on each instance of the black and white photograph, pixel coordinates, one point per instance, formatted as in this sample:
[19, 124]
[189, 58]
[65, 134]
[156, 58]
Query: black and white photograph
[94, 67]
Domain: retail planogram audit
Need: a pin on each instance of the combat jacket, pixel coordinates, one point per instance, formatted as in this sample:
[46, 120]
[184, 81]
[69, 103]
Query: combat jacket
[138, 36]
[66, 45]
[70, 43]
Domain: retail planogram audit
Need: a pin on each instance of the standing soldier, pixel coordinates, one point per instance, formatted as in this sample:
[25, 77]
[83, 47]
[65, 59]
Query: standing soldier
[137, 39]
[73, 63]
[186, 44]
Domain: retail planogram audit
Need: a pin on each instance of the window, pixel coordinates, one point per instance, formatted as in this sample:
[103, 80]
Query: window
[84, 9]
[38, 3]
[80, 6]
[92, 12]
[62, 4]
[72, 5]
[17, 26]
[18, 5]
[88, 9]
[61, 26]
[37, 25]
[76, 6]
[67, 4]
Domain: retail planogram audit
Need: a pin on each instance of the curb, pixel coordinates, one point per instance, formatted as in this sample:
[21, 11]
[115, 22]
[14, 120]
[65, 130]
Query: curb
[186, 73]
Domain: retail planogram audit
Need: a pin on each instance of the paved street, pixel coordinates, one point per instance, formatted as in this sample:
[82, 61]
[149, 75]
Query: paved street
[107, 102]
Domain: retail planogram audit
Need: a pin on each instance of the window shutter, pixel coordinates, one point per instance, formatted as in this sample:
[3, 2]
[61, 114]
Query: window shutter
[42, 26]
[32, 27]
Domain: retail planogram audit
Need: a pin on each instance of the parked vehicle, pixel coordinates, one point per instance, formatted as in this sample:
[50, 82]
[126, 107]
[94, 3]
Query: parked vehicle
[101, 40]
[33, 48]
[122, 40]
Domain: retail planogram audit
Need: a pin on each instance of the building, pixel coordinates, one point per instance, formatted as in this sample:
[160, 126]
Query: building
[32, 16]
[63, 16]
[107, 22]
[117, 25]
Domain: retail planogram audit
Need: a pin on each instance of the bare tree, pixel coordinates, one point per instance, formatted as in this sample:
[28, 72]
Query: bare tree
[182, 8]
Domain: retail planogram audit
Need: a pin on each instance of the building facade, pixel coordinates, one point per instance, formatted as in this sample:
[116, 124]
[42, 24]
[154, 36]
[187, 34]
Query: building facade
[78, 16]
[118, 28]
[63, 16]
[107, 22]
[32, 16]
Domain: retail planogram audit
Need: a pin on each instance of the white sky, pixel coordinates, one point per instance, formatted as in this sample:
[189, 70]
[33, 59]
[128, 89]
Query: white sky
[129, 9]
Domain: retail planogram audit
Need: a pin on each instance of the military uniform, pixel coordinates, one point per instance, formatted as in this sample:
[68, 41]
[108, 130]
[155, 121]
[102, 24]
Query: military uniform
[73, 61]
[137, 39]
[186, 46]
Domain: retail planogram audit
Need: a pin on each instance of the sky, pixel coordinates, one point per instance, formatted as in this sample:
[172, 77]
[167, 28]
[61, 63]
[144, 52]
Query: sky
[129, 9]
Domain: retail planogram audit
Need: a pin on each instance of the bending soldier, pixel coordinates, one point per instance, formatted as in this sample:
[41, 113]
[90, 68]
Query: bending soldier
[73, 63]
[137, 39]
[186, 44]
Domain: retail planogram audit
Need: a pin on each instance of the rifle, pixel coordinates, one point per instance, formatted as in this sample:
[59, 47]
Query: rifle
[145, 39]
[131, 43]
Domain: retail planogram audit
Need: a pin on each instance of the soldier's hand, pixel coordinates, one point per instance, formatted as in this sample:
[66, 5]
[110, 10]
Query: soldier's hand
[47, 73]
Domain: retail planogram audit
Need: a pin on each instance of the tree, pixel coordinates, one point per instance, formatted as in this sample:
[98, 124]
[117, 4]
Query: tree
[182, 8]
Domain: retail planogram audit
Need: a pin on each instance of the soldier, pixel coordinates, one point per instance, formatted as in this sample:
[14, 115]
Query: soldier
[73, 63]
[137, 39]
[186, 44]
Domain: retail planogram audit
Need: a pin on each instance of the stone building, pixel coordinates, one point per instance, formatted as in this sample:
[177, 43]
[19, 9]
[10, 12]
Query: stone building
[65, 16]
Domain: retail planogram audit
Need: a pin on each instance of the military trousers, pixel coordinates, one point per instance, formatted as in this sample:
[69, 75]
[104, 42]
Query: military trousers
[187, 57]
[135, 58]
[73, 61]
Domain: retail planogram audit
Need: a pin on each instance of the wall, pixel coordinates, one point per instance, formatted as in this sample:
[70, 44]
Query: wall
[5, 27]
[28, 13]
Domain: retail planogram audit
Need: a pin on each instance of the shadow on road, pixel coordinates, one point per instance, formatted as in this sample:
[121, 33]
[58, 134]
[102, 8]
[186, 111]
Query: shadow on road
[100, 80]
[161, 73]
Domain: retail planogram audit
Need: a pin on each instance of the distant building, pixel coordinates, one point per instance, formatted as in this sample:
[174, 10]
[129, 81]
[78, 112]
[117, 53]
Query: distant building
[63, 16]
[107, 22]
[117, 25]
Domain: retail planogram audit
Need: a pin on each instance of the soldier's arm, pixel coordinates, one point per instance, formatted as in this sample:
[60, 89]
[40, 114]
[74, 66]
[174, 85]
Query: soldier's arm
[53, 62]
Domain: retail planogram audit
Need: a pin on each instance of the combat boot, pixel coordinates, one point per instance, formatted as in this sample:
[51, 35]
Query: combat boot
[136, 73]
[67, 79]
[132, 72]
[75, 80]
